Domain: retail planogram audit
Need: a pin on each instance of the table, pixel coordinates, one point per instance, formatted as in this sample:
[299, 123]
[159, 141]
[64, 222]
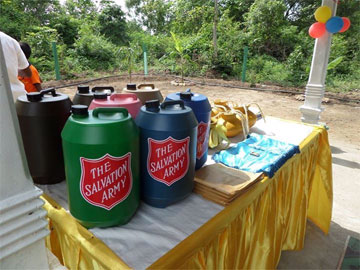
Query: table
[249, 233]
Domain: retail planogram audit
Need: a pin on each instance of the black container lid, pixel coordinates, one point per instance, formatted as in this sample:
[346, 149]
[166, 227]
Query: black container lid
[83, 89]
[131, 86]
[79, 110]
[152, 105]
[100, 95]
[186, 96]
[34, 96]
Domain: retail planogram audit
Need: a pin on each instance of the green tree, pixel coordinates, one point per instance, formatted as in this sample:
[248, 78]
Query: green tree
[40, 38]
[112, 24]
[130, 54]
[155, 15]
[39, 11]
[93, 50]
[237, 8]
[13, 20]
[81, 9]
[67, 27]
[268, 30]
[191, 16]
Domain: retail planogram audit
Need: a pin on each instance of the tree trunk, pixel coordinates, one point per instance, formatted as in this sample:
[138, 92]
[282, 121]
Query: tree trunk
[214, 29]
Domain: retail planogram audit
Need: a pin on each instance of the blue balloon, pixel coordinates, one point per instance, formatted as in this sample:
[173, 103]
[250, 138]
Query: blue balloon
[334, 24]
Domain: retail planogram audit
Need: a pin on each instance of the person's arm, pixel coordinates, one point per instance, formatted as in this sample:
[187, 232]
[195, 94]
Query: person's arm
[38, 86]
[25, 72]
[35, 78]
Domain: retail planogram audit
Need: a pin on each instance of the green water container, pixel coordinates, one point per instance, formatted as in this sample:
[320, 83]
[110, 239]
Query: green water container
[101, 154]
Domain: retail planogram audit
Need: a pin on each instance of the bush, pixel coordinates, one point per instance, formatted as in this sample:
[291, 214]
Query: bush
[267, 69]
[40, 38]
[94, 51]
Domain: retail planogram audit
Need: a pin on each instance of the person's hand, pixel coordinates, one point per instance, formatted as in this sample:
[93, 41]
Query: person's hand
[38, 86]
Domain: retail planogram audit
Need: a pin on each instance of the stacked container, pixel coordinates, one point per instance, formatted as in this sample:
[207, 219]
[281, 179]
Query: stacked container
[42, 115]
[168, 151]
[202, 110]
[144, 92]
[128, 101]
[83, 95]
[101, 152]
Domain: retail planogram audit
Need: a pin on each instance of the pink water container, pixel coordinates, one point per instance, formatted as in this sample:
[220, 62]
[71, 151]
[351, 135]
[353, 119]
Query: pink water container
[128, 101]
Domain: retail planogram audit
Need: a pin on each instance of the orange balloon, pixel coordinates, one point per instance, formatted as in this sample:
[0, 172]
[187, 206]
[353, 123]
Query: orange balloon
[317, 29]
[346, 24]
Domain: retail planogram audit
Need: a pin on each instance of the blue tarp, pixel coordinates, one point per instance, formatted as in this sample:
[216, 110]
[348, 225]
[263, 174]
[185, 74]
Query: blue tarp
[258, 153]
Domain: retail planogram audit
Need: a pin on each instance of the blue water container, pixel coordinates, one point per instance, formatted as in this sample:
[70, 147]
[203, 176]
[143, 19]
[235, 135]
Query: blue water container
[168, 136]
[202, 110]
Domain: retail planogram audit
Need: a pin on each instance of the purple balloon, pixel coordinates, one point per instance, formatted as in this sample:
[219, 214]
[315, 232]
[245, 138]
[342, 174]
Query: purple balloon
[334, 24]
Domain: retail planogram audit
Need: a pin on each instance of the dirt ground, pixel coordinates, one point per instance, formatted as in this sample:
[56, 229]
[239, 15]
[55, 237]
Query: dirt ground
[343, 119]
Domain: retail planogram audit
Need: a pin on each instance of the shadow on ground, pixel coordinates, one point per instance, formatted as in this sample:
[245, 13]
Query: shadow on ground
[320, 251]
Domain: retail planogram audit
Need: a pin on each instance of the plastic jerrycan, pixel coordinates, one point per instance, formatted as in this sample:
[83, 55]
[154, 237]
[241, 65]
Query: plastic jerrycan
[101, 153]
[42, 116]
[128, 101]
[144, 92]
[202, 110]
[99, 99]
[84, 96]
[168, 150]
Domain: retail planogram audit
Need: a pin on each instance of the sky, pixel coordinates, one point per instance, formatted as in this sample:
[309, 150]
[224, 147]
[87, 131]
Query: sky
[121, 3]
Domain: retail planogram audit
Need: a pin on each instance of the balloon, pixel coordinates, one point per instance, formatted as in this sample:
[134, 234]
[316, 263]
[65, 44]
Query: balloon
[317, 29]
[334, 24]
[322, 14]
[346, 24]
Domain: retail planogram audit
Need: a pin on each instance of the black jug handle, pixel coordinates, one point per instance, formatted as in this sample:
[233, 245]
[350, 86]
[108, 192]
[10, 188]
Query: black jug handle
[98, 88]
[146, 85]
[98, 110]
[171, 103]
[47, 91]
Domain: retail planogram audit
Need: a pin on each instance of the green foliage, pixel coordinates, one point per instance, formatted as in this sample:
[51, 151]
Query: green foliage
[155, 15]
[38, 11]
[129, 55]
[81, 9]
[229, 56]
[67, 28]
[268, 70]
[39, 39]
[94, 50]
[334, 63]
[299, 61]
[269, 31]
[179, 51]
[112, 24]
[192, 16]
[13, 21]
[95, 35]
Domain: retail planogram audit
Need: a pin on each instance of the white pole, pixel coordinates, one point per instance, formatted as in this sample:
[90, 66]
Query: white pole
[315, 87]
[22, 219]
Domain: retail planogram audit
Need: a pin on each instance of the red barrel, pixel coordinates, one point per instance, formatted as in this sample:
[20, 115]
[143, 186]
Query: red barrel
[128, 101]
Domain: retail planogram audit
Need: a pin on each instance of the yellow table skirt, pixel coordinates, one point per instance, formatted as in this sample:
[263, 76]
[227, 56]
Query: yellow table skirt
[249, 233]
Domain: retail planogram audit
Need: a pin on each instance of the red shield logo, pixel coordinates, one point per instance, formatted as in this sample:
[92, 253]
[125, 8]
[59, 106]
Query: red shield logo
[107, 181]
[202, 139]
[168, 160]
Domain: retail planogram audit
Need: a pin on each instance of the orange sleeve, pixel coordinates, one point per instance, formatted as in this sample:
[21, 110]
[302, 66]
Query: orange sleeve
[35, 77]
